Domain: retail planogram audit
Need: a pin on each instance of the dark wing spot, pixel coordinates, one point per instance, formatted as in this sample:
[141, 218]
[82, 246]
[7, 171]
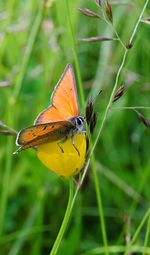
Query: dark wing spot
[44, 127]
[53, 126]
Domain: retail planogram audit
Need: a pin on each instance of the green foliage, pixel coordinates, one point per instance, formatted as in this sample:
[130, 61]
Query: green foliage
[37, 40]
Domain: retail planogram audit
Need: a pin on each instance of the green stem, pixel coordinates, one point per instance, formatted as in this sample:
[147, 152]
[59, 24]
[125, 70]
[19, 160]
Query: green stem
[118, 37]
[75, 54]
[5, 183]
[29, 49]
[111, 25]
[108, 106]
[131, 108]
[100, 205]
[147, 236]
[110, 101]
[65, 220]
[121, 184]
[138, 22]
[137, 232]
[112, 94]
[117, 249]
[97, 189]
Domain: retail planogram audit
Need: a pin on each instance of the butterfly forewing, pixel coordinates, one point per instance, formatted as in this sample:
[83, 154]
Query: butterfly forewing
[64, 97]
[33, 143]
[51, 114]
[64, 100]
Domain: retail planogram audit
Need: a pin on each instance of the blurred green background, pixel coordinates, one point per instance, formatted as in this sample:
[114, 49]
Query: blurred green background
[35, 46]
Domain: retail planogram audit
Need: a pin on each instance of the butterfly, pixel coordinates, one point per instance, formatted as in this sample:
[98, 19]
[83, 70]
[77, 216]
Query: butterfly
[60, 121]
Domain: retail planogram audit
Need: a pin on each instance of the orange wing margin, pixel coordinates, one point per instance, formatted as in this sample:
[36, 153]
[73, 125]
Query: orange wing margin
[64, 100]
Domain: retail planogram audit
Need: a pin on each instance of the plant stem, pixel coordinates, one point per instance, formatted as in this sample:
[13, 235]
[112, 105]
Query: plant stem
[147, 235]
[111, 25]
[131, 108]
[65, 220]
[97, 188]
[121, 184]
[28, 52]
[137, 232]
[117, 249]
[75, 54]
[108, 105]
[5, 183]
[138, 22]
[112, 94]
[100, 205]
[110, 101]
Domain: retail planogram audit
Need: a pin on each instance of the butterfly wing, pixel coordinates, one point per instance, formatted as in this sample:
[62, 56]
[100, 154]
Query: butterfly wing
[64, 100]
[42, 133]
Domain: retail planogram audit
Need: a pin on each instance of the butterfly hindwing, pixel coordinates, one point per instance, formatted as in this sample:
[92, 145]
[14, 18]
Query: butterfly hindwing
[50, 131]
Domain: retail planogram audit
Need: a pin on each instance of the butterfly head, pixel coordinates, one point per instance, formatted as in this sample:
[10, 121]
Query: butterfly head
[79, 123]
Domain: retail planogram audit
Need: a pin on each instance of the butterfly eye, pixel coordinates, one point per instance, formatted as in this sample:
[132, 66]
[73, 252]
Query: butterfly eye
[80, 121]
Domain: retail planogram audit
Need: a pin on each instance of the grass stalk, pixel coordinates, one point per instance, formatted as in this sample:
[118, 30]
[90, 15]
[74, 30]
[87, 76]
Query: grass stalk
[29, 48]
[5, 184]
[147, 236]
[20, 240]
[100, 205]
[65, 220]
[131, 108]
[128, 248]
[117, 249]
[121, 184]
[74, 48]
[113, 92]
[109, 105]
[97, 188]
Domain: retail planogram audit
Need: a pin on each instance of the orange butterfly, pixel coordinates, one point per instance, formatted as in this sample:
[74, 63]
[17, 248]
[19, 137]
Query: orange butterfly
[60, 120]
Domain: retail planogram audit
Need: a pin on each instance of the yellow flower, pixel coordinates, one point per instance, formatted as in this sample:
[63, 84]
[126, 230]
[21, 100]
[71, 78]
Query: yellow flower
[65, 161]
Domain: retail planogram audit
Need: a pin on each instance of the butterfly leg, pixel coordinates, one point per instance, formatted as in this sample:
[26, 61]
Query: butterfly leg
[61, 141]
[72, 138]
[60, 147]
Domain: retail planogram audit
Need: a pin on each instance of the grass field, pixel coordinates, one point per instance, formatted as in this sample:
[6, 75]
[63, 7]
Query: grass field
[109, 213]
